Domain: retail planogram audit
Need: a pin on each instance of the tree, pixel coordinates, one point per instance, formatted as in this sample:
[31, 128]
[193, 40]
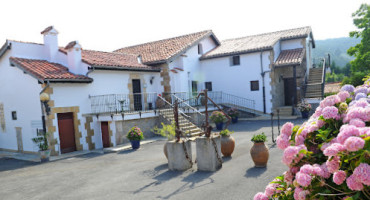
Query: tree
[361, 51]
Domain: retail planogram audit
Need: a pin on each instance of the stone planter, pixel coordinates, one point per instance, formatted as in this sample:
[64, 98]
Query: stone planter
[44, 155]
[165, 150]
[227, 145]
[260, 154]
[177, 160]
[207, 157]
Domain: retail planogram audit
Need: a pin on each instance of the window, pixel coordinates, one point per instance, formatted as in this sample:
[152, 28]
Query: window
[208, 86]
[255, 86]
[200, 49]
[14, 115]
[235, 60]
[194, 86]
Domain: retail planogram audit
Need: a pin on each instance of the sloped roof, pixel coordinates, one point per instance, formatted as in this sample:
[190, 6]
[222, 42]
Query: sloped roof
[111, 60]
[255, 43]
[290, 57]
[163, 50]
[43, 70]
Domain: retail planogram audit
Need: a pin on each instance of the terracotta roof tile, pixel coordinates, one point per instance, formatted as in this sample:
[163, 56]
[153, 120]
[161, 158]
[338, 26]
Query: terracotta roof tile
[47, 29]
[44, 70]
[290, 57]
[109, 60]
[162, 50]
[71, 45]
[255, 42]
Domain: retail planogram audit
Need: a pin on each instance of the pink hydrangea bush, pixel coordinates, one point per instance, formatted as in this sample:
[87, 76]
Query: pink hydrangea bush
[329, 155]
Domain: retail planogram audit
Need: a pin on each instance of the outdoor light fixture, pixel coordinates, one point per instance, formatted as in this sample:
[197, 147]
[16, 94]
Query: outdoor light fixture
[151, 80]
[44, 98]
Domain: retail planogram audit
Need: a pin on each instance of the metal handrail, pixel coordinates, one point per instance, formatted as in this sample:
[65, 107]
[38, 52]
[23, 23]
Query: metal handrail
[163, 99]
[182, 101]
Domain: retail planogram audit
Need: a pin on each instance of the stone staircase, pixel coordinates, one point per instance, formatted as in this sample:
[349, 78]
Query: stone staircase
[314, 84]
[284, 111]
[189, 129]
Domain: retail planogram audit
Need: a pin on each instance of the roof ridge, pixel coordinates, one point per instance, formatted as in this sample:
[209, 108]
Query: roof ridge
[161, 40]
[11, 40]
[262, 34]
[112, 52]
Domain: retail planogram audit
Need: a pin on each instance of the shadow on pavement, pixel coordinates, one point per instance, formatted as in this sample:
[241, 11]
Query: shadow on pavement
[127, 151]
[255, 172]
[7, 164]
[226, 159]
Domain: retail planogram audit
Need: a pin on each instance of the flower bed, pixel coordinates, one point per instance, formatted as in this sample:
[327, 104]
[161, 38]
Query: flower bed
[329, 155]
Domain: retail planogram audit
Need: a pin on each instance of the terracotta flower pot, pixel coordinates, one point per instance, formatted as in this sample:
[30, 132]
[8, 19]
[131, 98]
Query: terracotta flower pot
[260, 154]
[227, 145]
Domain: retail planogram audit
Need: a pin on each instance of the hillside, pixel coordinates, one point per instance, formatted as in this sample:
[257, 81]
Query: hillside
[337, 47]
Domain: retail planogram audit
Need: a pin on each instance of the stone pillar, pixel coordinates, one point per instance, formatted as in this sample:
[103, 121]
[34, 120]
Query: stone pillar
[177, 160]
[207, 158]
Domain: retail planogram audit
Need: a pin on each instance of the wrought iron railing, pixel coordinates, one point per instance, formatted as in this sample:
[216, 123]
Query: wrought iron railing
[123, 103]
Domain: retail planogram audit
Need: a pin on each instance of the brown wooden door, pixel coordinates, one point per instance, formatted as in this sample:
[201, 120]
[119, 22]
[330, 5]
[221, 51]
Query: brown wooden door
[105, 134]
[66, 132]
[289, 91]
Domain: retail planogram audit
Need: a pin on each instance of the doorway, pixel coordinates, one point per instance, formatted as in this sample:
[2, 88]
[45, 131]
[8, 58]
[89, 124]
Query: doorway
[66, 132]
[105, 134]
[289, 91]
[136, 90]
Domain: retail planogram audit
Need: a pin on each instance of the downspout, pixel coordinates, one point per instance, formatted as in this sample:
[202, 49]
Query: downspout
[263, 84]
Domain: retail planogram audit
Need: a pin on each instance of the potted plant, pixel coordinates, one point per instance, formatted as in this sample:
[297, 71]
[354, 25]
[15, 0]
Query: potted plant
[135, 135]
[168, 131]
[218, 118]
[305, 108]
[42, 142]
[234, 114]
[227, 142]
[259, 151]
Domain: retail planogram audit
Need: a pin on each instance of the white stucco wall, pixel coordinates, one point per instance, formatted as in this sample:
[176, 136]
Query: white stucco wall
[291, 44]
[181, 81]
[19, 92]
[235, 80]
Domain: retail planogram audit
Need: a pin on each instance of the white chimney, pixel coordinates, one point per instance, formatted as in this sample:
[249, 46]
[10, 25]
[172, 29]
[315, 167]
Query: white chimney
[51, 43]
[74, 57]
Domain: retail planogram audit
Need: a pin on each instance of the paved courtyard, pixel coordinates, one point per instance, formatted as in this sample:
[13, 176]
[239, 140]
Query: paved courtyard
[143, 174]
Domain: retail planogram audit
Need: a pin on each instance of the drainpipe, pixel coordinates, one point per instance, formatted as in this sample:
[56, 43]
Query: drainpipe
[263, 84]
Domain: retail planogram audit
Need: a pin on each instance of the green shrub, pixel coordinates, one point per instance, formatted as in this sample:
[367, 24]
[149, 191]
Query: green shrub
[259, 138]
[226, 132]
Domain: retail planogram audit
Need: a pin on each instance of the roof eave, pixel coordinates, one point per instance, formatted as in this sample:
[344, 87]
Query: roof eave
[4, 48]
[12, 63]
[98, 67]
[235, 53]
[70, 80]
[287, 64]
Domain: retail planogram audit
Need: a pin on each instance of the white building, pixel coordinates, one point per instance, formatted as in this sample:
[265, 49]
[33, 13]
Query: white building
[95, 97]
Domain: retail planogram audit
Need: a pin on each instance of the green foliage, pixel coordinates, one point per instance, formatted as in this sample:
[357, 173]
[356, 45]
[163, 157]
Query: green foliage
[355, 79]
[361, 51]
[167, 130]
[218, 117]
[333, 77]
[135, 133]
[42, 140]
[259, 138]
[226, 132]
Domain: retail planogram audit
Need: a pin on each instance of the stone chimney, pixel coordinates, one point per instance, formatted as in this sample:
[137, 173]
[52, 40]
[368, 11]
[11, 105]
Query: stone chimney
[50, 42]
[74, 57]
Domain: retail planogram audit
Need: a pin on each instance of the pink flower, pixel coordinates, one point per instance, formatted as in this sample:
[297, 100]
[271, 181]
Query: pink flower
[343, 95]
[282, 141]
[317, 170]
[330, 112]
[300, 194]
[287, 129]
[289, 154]
[270, 190]
[333, 164]
[357, 122]
[299, 140]
[320, 123]
[288, 177]
[306, 169]
[303, 179]
[260, 196]
[348, 88]
[354, 143]
[334, 149]
[339, 177]
[347, 131]
[354, 184]
[362, 173]
[325, 171]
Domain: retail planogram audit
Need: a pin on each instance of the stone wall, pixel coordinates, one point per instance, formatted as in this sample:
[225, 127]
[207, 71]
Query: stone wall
[145, 124]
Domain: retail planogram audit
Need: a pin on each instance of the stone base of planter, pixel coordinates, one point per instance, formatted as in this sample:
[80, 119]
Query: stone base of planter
[206, 155]
[177, 160]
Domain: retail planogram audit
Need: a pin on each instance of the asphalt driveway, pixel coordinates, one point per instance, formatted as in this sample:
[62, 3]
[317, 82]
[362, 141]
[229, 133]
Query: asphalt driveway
[143, 174]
